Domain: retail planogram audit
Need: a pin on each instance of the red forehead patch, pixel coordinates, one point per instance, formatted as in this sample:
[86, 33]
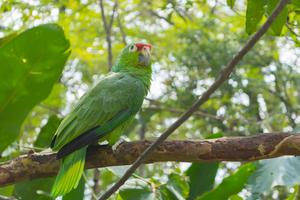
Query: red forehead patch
[141, 45]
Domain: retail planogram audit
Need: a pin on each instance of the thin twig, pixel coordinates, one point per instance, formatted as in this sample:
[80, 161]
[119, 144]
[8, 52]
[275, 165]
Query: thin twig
[113, 15]
[107, 28]
[123, 34]
[159, 106]
[103, 15]
[292, 31]
[218, 82]
[86, 180]
[96, 188]
[155, 14]
[180, 111]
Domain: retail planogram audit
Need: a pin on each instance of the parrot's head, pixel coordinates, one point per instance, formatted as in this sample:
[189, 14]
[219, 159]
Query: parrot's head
[135, 57]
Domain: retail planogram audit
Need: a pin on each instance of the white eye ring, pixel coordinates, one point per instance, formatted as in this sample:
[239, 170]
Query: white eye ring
[132, 48]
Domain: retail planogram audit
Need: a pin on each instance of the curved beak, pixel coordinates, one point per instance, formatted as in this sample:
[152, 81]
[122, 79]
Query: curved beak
[144, 54]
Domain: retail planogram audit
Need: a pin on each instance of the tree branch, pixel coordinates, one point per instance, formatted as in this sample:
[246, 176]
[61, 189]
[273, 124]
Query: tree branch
[155, 14]
[123, 34]
[159, 106]
[198, 113]
[96, 187]
[103, 16]
[263, 146]
[107, 28]
[205, 97]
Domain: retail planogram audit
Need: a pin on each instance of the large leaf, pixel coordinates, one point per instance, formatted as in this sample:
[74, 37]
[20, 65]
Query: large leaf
[176, 188]
[296, 3]
[273, 172]
[202, 178]
[6, 39]
[230, 185]
[280, 20]
[6, 191]
[30, 64]
[45, 136]
[254, 14]
[202, 175]
[235, 197]
[38, 189]
[136, 189]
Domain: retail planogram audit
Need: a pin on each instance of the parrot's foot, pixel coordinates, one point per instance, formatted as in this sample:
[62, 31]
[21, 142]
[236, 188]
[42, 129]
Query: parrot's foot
[115, 146]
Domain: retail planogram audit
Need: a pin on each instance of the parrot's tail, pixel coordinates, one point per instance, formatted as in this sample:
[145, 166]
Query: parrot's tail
[70, 172]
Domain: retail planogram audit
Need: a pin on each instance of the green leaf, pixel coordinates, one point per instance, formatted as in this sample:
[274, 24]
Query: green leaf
[296, 3]
[38, 189]
[7, 191]
[273, 172]
[202, 178]
[230, 185]
[136, 189]
[254, 14]
[7, 38]
[202, 175]
[176, 188]
[78, 193]
[214, 136]
[293, 195]
[280, 20]
[167, 193]
[45, 136]
[30, 64]
[235, 197]
[230, 3]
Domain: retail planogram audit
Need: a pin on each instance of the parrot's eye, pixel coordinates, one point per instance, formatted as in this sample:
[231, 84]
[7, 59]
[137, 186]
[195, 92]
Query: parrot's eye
[132, 48]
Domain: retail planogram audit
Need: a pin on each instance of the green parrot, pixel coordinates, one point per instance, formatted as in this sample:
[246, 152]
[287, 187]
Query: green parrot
[102, 114]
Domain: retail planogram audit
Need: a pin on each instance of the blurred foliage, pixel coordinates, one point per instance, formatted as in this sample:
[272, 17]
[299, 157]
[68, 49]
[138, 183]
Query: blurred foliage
[175, 188]
[230, 185]
[36, 189]
[45, 136]
[193, 41]
[277, 171]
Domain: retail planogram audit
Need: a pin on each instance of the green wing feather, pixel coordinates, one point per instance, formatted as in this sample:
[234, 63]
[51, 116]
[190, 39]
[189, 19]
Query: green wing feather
[117, 92]
[69, 173]
[112, 126]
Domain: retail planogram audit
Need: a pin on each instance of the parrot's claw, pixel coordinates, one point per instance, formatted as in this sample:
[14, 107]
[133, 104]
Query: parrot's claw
[115, 146]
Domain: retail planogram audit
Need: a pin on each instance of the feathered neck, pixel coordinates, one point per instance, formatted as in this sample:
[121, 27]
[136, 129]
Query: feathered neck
[142, 73]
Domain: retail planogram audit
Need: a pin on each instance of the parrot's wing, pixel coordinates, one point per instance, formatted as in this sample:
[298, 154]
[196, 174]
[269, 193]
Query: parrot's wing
[101, 107]
[94, 134]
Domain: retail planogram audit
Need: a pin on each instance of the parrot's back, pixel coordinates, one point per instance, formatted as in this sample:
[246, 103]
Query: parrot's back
[112, 94]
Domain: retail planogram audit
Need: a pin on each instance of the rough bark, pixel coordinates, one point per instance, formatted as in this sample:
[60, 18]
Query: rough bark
[263, 146]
